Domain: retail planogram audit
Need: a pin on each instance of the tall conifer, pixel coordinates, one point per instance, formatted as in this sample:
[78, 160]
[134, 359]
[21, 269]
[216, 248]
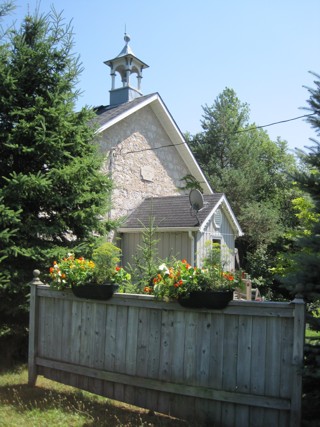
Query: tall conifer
[53, 195]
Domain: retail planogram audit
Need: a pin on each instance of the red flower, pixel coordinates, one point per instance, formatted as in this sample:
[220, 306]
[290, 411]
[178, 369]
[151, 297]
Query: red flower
[177, 284]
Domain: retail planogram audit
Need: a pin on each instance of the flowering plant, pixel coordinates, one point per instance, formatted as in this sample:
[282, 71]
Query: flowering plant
[214, 277]
[174, 281]
[178, 280]
[217, 280]
[102, 269]
[120, 276]
[71, 271]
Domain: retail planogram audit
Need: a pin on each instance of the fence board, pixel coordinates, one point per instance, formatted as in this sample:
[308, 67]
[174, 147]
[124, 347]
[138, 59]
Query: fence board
[110, 347]
[153, 356]
[232, 367]
[130, 353]
[120, 349]
[165, 360]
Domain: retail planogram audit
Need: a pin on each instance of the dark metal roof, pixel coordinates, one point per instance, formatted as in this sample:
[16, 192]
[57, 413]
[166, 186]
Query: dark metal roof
[170, 212]
[106, 113]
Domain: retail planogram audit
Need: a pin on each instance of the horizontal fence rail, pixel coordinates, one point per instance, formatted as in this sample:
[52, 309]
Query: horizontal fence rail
[240, 366]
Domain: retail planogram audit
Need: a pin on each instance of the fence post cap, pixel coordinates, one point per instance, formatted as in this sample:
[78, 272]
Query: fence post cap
[298, 299]
[36, 280]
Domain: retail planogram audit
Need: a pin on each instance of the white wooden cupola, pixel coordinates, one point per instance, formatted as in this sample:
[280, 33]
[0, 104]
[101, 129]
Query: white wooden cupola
[126, 64]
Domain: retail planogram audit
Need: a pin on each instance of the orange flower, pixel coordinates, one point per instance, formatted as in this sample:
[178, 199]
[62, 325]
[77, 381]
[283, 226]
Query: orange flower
[177, 284]
[147, 289]
[118, 268]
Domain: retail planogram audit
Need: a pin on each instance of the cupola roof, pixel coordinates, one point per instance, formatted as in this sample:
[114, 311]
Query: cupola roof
[125, 64]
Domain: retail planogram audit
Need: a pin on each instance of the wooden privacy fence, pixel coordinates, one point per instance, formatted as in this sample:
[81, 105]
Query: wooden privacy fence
[234, 367]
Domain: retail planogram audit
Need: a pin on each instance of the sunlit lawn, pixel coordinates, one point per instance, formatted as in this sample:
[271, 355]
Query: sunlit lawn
[54, 404]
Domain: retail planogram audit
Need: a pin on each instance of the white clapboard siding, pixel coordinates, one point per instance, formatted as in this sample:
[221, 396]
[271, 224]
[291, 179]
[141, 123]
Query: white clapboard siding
[224, 234]
[234, 367]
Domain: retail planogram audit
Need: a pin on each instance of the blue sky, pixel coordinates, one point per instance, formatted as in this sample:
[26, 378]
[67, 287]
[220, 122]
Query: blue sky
[263, 49]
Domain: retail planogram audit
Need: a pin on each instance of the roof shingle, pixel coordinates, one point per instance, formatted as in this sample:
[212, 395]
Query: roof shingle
[106, 113]
[170, 212]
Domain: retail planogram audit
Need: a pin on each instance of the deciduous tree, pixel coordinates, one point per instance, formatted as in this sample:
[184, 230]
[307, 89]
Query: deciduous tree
[254, 172]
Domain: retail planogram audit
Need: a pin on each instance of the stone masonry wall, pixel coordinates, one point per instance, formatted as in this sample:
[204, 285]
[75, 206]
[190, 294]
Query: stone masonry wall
[138, 166]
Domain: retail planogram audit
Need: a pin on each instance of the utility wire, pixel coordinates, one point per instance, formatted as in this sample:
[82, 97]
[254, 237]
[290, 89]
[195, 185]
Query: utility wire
[275, 123]
[233, 133]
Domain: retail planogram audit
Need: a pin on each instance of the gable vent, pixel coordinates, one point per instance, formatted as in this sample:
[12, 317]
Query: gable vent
[218, 218]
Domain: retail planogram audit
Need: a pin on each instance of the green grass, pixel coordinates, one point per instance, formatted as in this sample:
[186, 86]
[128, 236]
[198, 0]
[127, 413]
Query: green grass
[52, 404]
[312, 337]
[312, 334]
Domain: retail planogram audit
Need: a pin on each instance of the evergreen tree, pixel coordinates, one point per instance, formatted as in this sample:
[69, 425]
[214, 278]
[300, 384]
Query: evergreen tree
[52, 193]
[304, 277]
[216, 147]
[6, 7]
[304, 270]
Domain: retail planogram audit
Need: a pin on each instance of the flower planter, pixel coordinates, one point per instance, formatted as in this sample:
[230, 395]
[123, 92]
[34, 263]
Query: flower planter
[99, 292]
[207, 299]
[194, 300]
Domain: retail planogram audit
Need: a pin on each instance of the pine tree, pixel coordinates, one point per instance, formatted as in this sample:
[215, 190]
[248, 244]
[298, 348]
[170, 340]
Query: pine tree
[52, 192]
[305, 276]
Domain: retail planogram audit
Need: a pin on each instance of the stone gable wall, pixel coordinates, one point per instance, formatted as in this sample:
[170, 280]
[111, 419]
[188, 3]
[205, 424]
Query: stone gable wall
[138, 166]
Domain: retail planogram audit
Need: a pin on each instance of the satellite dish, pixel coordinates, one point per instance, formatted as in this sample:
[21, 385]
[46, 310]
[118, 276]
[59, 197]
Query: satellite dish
[196, 200]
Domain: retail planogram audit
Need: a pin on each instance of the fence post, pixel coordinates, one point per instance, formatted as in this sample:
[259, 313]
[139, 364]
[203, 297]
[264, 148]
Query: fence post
[297, 359]
[33, 328]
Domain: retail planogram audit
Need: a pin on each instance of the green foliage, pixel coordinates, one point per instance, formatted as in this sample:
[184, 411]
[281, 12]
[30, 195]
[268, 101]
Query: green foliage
[6, 7]
[303, 276]
[70, 271]
[177, 279]
[214, 276]
[174, 281]
[105, 258]
[53, 195]
[254, 172]
[304, 208]
[146, 260]
[261, 222]
[190, 183]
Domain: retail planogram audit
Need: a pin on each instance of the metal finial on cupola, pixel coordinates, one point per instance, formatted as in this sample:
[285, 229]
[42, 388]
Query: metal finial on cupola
[126, 38]
[125, 65]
